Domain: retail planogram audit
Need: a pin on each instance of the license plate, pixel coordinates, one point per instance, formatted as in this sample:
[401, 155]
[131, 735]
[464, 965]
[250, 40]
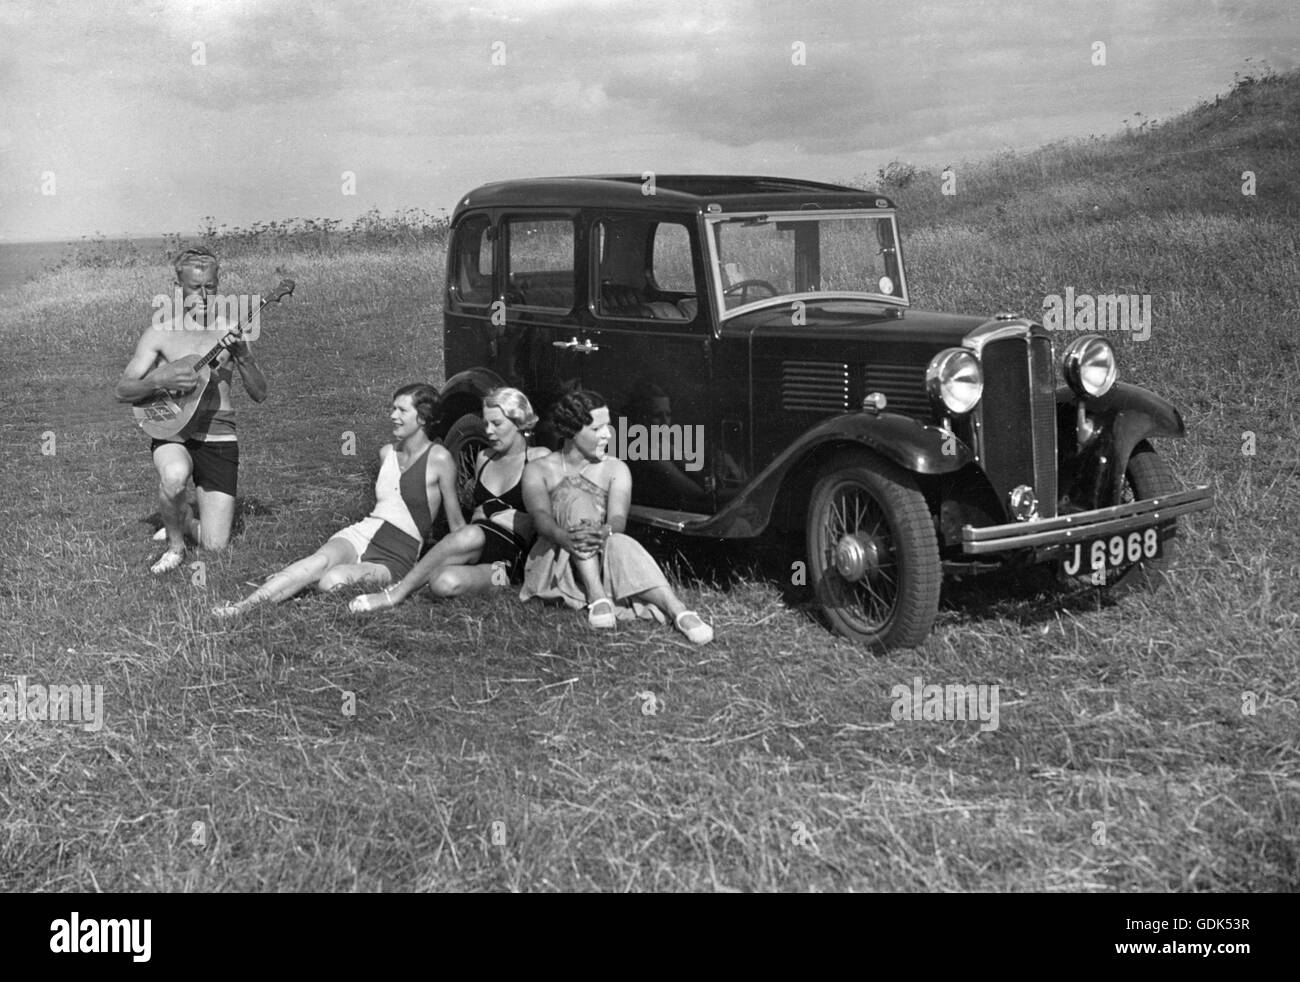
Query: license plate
[1100, 559]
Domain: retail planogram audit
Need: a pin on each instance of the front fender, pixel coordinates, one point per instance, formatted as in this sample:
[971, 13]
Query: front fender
[912, 445]
[1128, 414]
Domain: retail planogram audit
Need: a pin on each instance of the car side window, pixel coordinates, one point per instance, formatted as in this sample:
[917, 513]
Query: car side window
[540, 266]
[671, 265]
[473, 278]
[644, 270]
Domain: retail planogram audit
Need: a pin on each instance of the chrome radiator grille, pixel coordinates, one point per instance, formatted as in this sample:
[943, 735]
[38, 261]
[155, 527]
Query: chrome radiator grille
[1018, 413]
[1042, 381]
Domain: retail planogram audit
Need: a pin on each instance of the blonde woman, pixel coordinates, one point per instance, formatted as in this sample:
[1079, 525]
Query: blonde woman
[490, 549]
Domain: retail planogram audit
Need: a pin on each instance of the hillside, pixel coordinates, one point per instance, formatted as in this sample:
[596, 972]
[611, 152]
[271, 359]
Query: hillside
[1189, 164]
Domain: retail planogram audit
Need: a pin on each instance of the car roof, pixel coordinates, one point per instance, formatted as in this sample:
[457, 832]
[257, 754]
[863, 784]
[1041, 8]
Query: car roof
[672, 192]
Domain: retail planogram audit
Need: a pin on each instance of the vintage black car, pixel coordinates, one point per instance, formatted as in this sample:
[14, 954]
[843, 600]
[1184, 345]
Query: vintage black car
[754, 339]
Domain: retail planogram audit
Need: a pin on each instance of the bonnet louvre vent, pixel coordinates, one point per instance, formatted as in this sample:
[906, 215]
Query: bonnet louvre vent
[903, 386]
[815, 386]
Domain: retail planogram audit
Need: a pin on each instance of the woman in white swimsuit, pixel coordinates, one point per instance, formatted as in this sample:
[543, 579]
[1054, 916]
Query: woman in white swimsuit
[416, 478]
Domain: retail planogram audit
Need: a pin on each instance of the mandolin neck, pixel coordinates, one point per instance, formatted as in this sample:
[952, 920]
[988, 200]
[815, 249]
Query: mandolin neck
[230, 337]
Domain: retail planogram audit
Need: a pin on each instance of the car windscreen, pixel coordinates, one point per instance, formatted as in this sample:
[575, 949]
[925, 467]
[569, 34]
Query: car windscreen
[760, 257]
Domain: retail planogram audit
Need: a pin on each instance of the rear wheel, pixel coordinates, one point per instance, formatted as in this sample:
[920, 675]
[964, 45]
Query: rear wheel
[872, 554]
[463, 441]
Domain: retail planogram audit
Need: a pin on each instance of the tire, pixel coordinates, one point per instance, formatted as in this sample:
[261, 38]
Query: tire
[870, 514]
[1148, 476]
[463, 441]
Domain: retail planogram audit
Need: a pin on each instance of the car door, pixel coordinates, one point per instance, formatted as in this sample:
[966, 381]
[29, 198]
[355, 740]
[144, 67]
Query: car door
[649, 354]
[540, 292]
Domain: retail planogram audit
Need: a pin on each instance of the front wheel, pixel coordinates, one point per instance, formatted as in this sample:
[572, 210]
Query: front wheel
[463, 441]
[1148, 476]
[872, 553]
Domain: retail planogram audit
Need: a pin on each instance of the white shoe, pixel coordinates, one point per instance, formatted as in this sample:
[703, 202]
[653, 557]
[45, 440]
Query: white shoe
[168, 561]
[369, 603]
[697, 633]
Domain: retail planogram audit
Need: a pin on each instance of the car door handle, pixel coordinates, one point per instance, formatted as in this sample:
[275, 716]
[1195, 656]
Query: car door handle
[585, 347]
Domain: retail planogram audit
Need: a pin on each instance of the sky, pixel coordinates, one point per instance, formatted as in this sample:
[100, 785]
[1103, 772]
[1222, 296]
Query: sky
[141, 117]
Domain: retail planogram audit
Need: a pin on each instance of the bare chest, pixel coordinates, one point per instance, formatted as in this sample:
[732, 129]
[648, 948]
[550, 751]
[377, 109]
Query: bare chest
[175, 344]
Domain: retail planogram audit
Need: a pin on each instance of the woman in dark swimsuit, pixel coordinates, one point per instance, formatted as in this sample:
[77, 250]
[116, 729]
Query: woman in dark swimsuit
[490, 549]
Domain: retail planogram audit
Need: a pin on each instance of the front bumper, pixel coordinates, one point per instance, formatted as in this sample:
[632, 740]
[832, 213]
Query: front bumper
[1084, 525]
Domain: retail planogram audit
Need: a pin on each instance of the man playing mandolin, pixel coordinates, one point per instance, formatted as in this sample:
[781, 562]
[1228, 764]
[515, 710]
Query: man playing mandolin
[206, 447]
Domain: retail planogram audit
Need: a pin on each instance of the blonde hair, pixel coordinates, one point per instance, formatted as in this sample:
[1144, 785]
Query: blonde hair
[515, 407]
[197, 258]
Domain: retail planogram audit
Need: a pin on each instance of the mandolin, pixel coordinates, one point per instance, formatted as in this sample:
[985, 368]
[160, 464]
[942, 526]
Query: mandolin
[162, 416]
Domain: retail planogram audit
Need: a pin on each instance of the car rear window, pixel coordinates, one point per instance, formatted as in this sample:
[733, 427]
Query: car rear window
[473, 281]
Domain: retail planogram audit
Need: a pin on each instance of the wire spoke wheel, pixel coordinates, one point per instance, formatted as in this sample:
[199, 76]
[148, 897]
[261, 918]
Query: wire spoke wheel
[873, 557]
[854, 513]
[466, 438]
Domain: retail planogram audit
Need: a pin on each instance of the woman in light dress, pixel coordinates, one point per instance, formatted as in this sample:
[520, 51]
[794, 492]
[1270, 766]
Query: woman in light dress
[578, 498]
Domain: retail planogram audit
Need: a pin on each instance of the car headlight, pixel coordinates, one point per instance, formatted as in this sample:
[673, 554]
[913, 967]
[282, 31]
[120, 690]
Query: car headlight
[954, 378]
[1089, 366]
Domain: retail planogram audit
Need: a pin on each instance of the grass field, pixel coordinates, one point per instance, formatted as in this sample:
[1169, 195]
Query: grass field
[1128, 757]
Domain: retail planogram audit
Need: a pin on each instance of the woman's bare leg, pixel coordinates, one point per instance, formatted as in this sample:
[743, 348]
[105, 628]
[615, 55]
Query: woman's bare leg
[587, 570]
[663, 598]
[463, 581]
[459, 548]
[297, 576]
[354, 574]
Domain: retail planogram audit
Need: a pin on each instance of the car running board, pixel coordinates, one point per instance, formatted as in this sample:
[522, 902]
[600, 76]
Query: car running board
[666, 518]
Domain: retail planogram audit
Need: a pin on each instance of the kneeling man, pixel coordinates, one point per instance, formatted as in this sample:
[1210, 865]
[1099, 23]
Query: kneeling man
[206, 448]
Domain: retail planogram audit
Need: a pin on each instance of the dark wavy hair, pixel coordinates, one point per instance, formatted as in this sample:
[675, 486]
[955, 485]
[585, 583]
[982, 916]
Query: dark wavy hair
[427, 402]
[572, 411]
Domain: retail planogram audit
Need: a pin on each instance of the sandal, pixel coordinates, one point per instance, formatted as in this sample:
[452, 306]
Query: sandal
[370, 603]
[604, 618]
[167, 562]
[697, 633]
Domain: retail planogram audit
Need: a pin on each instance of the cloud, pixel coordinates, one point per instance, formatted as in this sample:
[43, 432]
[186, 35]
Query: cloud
[425, 99]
